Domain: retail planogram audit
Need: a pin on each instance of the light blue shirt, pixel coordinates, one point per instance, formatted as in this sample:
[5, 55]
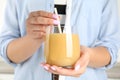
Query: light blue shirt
[95, 21]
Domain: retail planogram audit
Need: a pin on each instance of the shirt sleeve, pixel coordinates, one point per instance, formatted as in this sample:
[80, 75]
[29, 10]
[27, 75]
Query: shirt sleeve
[110, 31]
[9, 30]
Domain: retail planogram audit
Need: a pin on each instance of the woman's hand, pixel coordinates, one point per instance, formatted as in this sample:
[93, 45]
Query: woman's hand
[37, 23]
[78, 69]
[26, 46]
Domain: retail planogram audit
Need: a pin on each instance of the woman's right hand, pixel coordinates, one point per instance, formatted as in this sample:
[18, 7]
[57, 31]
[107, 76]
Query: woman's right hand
[26, 46]
[37, 23]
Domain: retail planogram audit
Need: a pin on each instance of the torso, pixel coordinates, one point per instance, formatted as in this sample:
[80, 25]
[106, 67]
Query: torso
[85, 21]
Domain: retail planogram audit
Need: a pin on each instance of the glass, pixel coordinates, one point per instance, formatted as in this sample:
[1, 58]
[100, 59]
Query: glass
[61, 49]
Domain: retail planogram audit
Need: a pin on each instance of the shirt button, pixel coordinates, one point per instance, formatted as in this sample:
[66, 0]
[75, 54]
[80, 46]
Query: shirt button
[50, 5]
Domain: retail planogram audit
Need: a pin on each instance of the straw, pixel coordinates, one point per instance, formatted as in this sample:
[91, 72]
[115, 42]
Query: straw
[59, 27]
[68, 16]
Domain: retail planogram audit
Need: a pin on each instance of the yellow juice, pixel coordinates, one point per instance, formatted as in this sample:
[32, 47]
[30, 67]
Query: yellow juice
[56, 50]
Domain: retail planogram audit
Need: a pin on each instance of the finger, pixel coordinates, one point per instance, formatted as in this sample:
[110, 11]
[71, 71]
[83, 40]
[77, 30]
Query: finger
[43, 21]
[39, 35]
[45, 66]
[83, 60]
[39, 28]
[82, 63]
[63, 71]
[48, 68]
[43, 14]
[36, 28]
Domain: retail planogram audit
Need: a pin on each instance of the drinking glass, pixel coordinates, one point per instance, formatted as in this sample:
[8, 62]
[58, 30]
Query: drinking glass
[61, 49]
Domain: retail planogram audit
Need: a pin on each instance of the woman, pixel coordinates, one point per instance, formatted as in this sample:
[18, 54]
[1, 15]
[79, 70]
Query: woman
[24, 29]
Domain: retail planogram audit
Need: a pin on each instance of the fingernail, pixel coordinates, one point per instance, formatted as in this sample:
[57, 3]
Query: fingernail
[46, 67]
[77, 67]
[54, 69]
[55, 16]
[56, 22]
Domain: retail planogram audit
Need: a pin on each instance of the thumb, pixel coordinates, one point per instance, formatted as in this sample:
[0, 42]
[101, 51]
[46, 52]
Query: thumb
[82, 61]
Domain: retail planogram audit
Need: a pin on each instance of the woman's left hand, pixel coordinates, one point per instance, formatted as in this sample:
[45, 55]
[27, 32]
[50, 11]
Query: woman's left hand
[78, 69]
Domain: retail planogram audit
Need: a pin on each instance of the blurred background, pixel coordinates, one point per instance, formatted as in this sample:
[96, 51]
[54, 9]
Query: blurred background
[6, 71]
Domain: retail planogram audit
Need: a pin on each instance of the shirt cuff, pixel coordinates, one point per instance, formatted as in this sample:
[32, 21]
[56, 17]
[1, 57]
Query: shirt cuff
[113, 50]
[4, 53]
